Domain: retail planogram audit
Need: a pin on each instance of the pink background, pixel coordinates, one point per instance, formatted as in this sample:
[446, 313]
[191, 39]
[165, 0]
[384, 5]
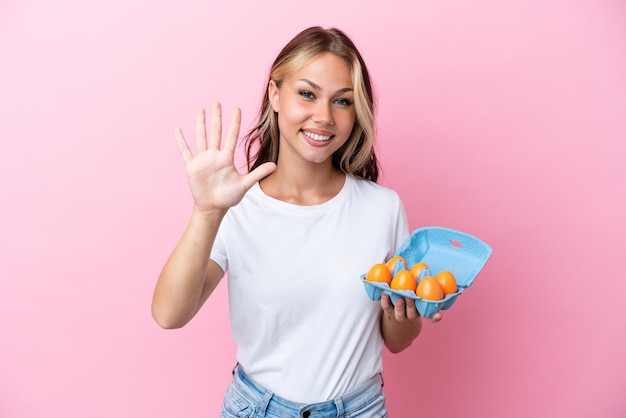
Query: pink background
[504, 119]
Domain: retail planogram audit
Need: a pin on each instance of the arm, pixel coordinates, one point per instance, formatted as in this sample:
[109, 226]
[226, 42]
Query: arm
[401, 324]
[189, 276]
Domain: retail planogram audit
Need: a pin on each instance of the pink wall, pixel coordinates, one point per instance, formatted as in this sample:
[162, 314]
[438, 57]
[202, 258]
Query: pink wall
[504, 119]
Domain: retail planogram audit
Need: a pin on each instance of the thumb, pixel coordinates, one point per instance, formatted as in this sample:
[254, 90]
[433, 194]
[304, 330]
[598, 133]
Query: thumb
[258, 173]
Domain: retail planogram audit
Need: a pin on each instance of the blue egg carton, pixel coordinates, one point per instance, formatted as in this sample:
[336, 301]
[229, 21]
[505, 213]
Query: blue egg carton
[442, 249]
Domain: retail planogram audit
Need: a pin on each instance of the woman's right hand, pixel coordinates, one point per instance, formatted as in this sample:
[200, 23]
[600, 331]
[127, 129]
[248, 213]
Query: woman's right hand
[215, 183]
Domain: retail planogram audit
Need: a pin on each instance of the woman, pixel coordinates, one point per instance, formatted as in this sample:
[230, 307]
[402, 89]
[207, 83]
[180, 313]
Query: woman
[294, 234]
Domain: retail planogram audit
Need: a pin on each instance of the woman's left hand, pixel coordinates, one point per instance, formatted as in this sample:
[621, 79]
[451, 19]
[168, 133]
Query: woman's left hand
[404, 309]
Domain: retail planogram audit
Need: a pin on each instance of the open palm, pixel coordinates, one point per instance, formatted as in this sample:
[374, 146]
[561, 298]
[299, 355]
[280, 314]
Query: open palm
[213, 179]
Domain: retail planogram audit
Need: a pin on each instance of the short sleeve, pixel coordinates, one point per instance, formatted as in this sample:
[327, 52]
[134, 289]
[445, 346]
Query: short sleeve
[218, 251]
[402, 226]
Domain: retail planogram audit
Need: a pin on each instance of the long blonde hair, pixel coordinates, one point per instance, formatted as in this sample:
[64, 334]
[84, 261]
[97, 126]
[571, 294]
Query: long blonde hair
[356, 156]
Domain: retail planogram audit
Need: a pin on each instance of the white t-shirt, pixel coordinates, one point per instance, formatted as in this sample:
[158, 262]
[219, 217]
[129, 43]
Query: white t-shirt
[304, 326]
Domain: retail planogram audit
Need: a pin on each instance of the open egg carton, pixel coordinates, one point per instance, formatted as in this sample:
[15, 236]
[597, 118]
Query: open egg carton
[442, 249]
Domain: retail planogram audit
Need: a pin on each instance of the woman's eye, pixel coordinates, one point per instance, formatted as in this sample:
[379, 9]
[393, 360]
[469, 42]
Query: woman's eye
[307, 94]
[343, 102]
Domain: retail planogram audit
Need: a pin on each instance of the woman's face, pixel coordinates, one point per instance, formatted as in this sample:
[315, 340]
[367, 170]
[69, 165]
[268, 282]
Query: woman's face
[316, 110]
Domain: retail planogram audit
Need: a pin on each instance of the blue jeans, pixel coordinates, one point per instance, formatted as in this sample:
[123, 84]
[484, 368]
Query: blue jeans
[246, 399]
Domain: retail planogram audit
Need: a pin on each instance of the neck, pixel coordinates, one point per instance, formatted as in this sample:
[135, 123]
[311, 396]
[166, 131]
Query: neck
[304, 185]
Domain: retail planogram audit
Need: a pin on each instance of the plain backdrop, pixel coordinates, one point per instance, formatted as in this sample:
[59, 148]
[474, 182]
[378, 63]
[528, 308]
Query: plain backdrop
[501, 118]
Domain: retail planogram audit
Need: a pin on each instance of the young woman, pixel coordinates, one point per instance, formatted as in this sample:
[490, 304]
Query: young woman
[294, 234]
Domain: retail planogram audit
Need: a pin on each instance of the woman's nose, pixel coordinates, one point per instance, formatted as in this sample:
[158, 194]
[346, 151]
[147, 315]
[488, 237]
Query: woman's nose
[323, 114]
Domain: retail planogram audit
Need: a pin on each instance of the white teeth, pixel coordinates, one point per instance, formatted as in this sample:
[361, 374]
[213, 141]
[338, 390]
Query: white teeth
[316, 137]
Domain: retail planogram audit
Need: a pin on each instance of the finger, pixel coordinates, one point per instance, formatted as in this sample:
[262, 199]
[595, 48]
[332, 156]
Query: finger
[183, 148]
[400, 310]
[258, 173]
[215, 137]
[201, 130]
[411, 309]
[233, 131]
[436, 317]
[385, 303]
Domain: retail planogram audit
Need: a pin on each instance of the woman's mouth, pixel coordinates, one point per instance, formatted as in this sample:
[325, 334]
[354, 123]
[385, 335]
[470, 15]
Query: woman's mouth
[316, 137]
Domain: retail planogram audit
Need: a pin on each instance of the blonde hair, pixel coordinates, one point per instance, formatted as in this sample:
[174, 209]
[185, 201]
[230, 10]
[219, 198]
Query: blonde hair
[356, 156]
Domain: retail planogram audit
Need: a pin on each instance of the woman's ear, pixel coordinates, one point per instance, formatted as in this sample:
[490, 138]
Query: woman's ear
[273, 94]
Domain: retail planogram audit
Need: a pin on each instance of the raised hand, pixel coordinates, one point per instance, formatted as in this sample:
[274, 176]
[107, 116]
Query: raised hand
[213, 179]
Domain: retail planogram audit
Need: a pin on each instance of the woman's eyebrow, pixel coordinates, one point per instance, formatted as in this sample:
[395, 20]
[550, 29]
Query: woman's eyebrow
[317, 87]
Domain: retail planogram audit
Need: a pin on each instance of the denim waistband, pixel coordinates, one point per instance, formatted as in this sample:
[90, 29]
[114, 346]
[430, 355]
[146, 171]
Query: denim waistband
[267, 401]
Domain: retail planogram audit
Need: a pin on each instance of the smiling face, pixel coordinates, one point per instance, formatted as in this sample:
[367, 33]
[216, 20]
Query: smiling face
[316, 112]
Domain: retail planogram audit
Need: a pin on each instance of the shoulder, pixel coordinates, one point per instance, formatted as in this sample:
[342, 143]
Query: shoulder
[373, 190]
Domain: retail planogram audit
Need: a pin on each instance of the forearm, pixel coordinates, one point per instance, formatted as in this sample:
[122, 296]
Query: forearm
[398, 335]
[183, 282]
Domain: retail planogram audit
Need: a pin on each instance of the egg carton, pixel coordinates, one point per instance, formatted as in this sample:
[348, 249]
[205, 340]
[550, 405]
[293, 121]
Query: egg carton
[442, 249]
